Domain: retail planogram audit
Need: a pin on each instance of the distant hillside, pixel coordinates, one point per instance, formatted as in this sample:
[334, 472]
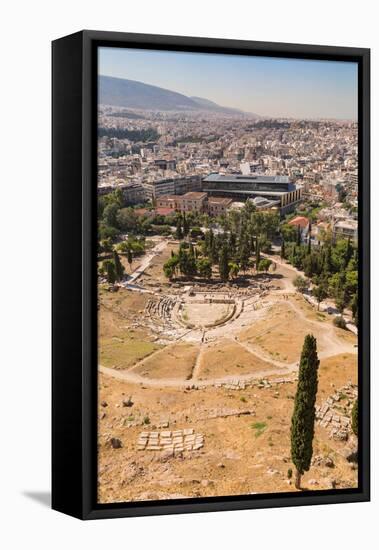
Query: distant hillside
[137, 95]
[212, 106]
[121, 92]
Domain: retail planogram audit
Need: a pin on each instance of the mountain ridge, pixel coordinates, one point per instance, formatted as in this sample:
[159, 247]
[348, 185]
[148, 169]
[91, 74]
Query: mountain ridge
[122, 92]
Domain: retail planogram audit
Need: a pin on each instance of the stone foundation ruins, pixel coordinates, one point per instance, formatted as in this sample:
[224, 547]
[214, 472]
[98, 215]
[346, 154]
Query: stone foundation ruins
[335, 413]
[174, 442]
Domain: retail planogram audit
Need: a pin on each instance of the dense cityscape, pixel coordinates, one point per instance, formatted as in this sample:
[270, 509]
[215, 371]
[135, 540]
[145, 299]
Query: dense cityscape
[319, 157]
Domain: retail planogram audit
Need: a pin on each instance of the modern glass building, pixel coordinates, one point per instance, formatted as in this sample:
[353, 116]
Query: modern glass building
[239, 187]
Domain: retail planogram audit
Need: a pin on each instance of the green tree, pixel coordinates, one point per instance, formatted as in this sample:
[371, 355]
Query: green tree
[354, 308]
[224, 263]
[106, 245]
[233, 269]
[110, 271]
[300, 283]
[320, 293]
[341, 300]
[130, 258]
[170, 267]
[298, 236]
[288, 232]
[186, 225]
[283, 250]
[257, 253]
[232, 241]
[119, 268]
[244, 251]
[204, 268]
[303, 417]
[179, 231]
[264, 265]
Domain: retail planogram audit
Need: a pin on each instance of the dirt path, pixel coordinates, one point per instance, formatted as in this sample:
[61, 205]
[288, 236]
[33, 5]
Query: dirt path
[261, 355]
[331, 340]
[133, 378]
[146, 261]
[197, 366]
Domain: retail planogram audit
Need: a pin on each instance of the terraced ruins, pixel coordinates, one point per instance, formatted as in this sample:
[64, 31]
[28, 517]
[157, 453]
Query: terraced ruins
[220, 361]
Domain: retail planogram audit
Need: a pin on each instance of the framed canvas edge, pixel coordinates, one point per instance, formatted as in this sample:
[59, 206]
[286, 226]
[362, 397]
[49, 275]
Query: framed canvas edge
[90, 509]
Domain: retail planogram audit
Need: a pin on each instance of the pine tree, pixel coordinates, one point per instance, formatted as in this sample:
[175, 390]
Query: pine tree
[303, 417]
[119, 268]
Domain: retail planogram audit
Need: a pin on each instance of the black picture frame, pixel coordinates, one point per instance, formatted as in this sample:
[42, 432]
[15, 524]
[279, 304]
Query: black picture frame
[74, 313]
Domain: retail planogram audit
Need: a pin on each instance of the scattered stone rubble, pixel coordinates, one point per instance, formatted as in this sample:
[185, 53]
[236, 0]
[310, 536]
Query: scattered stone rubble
[242, 384]
[335, 413]
[174, 442]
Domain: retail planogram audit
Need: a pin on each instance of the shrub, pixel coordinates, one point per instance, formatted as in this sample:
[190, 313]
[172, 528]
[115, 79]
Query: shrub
[339, 322]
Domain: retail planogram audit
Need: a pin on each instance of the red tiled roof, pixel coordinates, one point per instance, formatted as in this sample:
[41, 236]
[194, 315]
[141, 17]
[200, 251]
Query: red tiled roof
[164, 211]
[300, 220]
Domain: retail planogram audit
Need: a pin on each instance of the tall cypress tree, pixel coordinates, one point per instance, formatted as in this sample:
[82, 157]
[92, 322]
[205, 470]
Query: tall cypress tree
[179, 231]
[130, 257]
[110, 271]
[224, 263]
[186, 225]
[283, 250]
[244, 252]
[119, 268]
[257, 253]
[298, 236]
[303, 417]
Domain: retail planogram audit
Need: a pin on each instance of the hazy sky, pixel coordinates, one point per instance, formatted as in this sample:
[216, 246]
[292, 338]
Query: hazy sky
[263, 85]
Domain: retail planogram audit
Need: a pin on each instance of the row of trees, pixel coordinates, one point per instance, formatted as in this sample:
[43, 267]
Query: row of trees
[332, 268]
[112, 268]
[246, 234]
